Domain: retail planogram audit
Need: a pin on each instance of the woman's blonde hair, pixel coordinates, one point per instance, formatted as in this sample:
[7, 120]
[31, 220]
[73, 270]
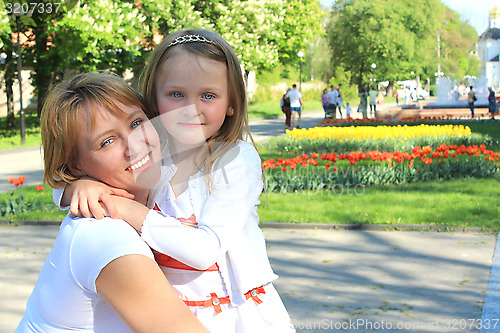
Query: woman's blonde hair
[62, 115]
[211, 46]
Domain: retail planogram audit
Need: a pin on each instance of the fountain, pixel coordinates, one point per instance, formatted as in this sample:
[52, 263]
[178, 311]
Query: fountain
[448, 96]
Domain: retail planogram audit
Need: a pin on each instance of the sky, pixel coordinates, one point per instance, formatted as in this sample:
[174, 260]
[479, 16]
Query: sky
[474, 11]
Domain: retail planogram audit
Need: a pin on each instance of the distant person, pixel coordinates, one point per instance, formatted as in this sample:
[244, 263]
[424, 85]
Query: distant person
[407, 95]
[332, 102]
[348, 110]
[324, 100]
[363, 103]
[492, 104]
[373, 100]
[285, 107]
[339, 101]
[471, 98]
[295, 105]
[397, 97]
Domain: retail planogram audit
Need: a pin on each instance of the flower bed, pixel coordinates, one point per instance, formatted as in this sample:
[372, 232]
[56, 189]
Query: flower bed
[382, 138]
[328, 170]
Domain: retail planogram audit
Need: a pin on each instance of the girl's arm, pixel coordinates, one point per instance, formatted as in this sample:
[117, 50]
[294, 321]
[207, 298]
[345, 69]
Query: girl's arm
[223, 215]
[89, 197]
[143, 298]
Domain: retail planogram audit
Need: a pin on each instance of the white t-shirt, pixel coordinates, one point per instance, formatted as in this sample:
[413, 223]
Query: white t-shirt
[373, 96]
[332, 96]
[65, 297]
[295, 97]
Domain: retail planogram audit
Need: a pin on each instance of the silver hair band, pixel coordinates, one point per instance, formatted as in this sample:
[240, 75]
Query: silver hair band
[190, 39]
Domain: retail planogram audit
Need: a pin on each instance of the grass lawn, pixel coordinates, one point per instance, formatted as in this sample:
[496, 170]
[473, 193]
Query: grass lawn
[461, 203]
[464, 202]
[12, 138]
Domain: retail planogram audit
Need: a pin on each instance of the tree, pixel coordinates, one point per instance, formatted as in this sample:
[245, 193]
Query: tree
[393, 36]
[9, 66]
[457, 47]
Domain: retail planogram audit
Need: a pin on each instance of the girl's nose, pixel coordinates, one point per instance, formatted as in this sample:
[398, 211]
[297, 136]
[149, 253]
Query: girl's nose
[191, 110]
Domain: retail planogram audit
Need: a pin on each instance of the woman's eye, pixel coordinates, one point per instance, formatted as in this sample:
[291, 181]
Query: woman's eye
[208, 96]
[136, 123]
[107, 142]
[176, 94]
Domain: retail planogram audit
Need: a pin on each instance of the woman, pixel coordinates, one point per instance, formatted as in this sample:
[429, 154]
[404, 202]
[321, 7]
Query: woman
[100, 276]
[324, 100]
[492, 103]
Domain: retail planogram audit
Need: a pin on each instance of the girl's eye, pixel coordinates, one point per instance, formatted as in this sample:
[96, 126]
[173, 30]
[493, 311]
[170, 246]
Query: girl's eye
[136, 123]
[176, 94]
[208, 96]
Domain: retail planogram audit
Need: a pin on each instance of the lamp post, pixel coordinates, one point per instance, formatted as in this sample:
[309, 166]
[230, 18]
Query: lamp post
[374, 65]
[18, 13]
[300, 54]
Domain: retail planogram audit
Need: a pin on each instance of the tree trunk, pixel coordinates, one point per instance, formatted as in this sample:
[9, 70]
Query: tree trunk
[9, 73]
[43, 72]
[390, 88]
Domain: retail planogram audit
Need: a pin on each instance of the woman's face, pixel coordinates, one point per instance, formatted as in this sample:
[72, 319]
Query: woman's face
[122, 151]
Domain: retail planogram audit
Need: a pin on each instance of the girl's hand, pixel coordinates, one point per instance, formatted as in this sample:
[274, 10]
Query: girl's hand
[91, 198]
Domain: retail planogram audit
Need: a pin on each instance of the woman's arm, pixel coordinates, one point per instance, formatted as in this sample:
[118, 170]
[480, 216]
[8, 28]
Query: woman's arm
[143, 298]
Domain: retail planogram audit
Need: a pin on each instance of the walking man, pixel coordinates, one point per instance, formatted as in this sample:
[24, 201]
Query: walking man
[471, 98]
[332, 96]
[296, 103]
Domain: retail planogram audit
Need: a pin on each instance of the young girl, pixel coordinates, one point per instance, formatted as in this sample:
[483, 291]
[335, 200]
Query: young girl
[204, 225]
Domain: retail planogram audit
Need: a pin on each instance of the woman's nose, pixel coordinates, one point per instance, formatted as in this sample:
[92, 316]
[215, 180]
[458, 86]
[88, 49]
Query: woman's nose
[136, 142]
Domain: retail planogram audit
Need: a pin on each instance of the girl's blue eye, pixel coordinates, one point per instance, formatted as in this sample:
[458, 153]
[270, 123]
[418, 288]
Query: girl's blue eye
[136, 123]
[176, 94]
[208, 96]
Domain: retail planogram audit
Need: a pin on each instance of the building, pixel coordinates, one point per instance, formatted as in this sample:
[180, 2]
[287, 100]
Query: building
[489, 50]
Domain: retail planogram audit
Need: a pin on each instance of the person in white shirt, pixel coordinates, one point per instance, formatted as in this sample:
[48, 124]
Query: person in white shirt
[332, 96]
[202, 219]
[296, 103]
[373, 100]
[100, 276]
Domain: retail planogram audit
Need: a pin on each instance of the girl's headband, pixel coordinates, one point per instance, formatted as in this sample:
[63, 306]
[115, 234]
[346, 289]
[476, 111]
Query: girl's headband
[190, 39]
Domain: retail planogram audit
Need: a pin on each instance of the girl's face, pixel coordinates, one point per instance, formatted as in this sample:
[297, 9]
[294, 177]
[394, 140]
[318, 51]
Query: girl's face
[193, 97]
[120, 150]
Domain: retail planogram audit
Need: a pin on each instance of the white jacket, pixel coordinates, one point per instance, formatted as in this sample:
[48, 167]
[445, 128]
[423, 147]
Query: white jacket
[228, 230]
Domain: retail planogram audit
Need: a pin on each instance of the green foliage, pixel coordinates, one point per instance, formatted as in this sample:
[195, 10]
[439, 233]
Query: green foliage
[19, 203]
[369, 173]
[399, 39]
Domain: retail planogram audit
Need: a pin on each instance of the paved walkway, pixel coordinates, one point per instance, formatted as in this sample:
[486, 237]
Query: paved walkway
[330, 280]
[355, 280]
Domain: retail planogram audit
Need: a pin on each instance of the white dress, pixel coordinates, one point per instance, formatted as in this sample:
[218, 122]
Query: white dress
[205, 291]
